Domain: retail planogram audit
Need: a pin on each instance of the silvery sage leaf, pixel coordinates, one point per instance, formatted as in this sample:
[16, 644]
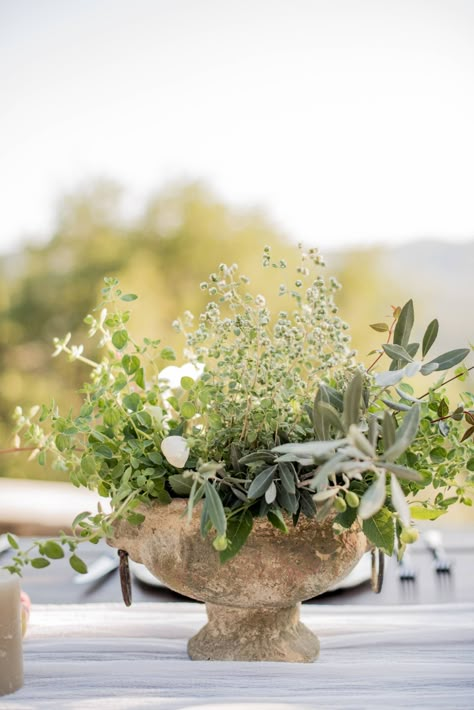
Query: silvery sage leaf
[397, 406]
[449, 359]
[428, 368]
[261, 482]
[352, 400]
[396, 352]
[287, 476]
[307, 449]
[387, 379]
[292, 458]
[412, 369]
[373, 499]
[215, 508]
[320, 480]
[325, 495]
[408, 474]
[360, 442]
[373, 429]
[405, 395]
[404, 325]
[399, 501]
[430, 336]
[271, 493]
[404, 435]
[329, 415]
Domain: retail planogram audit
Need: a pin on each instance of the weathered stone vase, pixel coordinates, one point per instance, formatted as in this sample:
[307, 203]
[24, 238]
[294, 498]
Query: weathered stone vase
[252, 601]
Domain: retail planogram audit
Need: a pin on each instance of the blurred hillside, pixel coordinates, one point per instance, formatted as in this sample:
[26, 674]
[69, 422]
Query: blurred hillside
[181, 235]
[437, 275]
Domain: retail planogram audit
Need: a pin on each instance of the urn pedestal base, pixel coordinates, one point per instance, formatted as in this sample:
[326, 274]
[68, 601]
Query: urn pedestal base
[256, 634]
[252, 599]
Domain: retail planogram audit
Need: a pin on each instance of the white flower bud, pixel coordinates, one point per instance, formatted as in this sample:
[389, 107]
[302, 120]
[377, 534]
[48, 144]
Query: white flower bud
[175, 450]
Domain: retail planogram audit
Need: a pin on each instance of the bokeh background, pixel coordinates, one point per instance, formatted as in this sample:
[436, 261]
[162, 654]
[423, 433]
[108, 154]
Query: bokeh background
[151, 140]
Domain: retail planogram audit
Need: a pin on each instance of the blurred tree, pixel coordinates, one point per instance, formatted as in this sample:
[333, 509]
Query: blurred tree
[366, 296]
[163, 255]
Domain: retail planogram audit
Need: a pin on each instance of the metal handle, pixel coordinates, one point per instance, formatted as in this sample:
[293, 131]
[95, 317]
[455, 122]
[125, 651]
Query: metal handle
[378, 563]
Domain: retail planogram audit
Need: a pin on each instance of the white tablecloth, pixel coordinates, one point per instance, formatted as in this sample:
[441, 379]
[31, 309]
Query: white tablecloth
[107, 657]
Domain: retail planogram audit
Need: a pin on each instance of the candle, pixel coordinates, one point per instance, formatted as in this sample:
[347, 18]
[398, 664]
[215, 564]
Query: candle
[11, 657]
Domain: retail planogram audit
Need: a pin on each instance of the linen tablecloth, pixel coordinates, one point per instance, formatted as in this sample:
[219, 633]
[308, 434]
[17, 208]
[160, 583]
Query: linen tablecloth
[107, 657]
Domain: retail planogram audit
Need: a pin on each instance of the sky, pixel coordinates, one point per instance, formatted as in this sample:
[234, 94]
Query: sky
[349, 122]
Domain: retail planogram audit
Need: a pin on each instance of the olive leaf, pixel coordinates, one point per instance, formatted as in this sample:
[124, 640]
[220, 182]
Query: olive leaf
[215, 508]
[325, 416]
[387, 379]
[408, 474]
[310, 449]
[379, 327]
[276, 518]
[397, 352]
[404, 324]
[448, 360]
[399, 501]
[430, 336]
[287, 476]
[373, 498]
[404, 435]
[388, 430]
[352, 402]
[261, 482]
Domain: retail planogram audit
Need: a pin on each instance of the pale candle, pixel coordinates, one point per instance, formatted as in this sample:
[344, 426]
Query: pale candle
[11, 656]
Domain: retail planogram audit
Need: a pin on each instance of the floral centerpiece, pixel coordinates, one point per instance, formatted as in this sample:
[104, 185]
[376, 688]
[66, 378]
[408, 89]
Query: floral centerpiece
[270, 418]
[294, 456]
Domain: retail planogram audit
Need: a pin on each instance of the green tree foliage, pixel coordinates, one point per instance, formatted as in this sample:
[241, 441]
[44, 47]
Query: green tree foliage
[179, 236]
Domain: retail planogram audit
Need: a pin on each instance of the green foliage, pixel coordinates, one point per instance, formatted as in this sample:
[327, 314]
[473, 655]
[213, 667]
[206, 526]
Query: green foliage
[270, 416]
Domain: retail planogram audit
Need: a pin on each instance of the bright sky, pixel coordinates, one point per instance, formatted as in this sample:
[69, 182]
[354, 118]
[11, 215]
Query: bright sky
[348, 121]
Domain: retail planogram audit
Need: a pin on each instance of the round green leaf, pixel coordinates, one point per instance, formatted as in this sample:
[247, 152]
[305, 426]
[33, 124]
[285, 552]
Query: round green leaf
[111, 416]
[62, 442]
[187, 383]
[12, 541]
[39, 562]
[77, 564]
[53, 550]
[130, 363]
[120, 339]
[438, 454]
[188, 410]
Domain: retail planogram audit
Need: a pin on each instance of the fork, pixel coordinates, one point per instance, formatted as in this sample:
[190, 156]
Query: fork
[406, 572]
[434, 542]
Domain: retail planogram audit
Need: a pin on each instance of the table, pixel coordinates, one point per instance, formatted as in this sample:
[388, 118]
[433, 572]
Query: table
[104, 656]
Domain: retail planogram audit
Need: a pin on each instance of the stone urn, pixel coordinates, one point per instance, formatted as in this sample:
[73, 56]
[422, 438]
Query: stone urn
[252, 601]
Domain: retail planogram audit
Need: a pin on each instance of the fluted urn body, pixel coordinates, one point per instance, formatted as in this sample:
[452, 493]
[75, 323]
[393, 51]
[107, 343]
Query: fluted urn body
[252, 600]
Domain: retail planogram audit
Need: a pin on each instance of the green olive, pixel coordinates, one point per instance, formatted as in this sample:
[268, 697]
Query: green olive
[340, 504]
[409, 535]
[352, 499]
[220, 543]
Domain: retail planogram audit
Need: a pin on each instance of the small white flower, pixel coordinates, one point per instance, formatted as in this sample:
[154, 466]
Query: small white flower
[175, 450]
[156, 412]
[103, 316]
[76, 352]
